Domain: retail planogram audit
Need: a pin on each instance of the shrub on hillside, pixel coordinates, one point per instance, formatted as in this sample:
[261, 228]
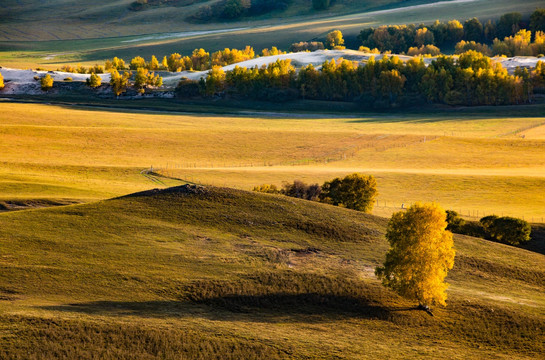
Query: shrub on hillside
[299, 189]
[454, 222]
[507, 230]
[267, 188]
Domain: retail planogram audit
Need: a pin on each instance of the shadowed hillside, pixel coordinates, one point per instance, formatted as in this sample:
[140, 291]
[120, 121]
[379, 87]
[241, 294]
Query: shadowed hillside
[220, 273]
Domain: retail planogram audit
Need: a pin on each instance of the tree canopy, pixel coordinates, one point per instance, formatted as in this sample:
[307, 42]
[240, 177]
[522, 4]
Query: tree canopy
[421, 254]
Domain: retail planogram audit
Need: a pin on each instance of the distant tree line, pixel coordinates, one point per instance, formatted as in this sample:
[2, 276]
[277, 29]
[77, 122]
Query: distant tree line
[400, 38]
[355, 191]
[234, 9]
[470, 79]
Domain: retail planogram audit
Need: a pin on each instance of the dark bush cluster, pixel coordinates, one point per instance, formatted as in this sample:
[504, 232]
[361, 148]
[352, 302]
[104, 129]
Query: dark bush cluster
[507, 230]
[355, 191]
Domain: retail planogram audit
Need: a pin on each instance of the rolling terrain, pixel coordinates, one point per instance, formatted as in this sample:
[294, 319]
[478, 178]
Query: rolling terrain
[222, 273]
[27, 38]
[475, 162]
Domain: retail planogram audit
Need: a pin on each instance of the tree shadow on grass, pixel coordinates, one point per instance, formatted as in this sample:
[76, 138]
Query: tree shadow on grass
[308, 307]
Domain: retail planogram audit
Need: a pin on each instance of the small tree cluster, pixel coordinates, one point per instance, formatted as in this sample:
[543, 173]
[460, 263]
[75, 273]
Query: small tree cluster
[355, 191]
[300, 190]
[144, 78]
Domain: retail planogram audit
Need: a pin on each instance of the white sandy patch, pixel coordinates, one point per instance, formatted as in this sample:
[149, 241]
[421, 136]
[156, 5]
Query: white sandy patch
[298, 60]
[24, 82]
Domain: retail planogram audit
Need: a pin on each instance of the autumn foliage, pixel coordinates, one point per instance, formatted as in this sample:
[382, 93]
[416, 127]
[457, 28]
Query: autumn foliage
[420, 256]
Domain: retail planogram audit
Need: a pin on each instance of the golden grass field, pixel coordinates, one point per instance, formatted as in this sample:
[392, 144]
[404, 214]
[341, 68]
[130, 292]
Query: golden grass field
[470, 163]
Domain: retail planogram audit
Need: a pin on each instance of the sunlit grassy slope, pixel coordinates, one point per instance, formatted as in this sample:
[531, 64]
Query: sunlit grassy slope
[476, 163]
[79, 32]
[227, 274]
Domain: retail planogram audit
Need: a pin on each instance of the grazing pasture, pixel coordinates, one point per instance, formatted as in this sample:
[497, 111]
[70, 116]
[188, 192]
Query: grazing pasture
[473, 162]
[222, 273]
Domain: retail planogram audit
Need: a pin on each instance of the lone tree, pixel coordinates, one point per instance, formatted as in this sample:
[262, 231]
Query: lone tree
[420, 256]
[119, 82]
[1, 82]
[93, 81]
[334, 40]
[355, 191]
[46, 82]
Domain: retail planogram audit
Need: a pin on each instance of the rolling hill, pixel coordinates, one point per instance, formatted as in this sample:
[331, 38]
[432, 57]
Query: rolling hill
[37, 33]
[211, 272]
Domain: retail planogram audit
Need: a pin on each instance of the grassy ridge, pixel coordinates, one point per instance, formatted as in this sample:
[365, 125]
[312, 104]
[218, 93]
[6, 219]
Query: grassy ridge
[209, 271]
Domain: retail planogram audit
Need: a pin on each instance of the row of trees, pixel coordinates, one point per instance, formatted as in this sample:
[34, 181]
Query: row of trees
[520, 44]
[355, 191]
[399, 38]
[471, 79]
[199, 60]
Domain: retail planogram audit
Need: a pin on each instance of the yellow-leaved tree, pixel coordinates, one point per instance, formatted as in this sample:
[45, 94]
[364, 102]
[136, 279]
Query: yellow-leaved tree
[420, 256]
[1, 82]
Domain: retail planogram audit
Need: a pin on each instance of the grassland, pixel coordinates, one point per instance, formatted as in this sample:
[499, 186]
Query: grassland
[220, 273]
[93, 39]
[471, 162]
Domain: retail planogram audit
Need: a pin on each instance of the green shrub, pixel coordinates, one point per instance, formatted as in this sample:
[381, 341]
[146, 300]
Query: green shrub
[487, 223]
[454, 221]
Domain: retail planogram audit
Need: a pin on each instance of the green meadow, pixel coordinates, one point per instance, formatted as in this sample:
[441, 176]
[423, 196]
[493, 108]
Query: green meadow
[219, 273]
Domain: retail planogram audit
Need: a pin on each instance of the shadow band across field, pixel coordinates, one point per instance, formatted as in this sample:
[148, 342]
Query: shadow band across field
[257, 308]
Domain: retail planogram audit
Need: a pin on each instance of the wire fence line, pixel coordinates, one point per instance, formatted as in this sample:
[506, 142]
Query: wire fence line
[469, 214]
[314, 159]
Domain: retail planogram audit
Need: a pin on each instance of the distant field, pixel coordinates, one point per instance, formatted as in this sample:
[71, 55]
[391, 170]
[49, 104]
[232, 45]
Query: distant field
[473, 163]
[80, 43]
